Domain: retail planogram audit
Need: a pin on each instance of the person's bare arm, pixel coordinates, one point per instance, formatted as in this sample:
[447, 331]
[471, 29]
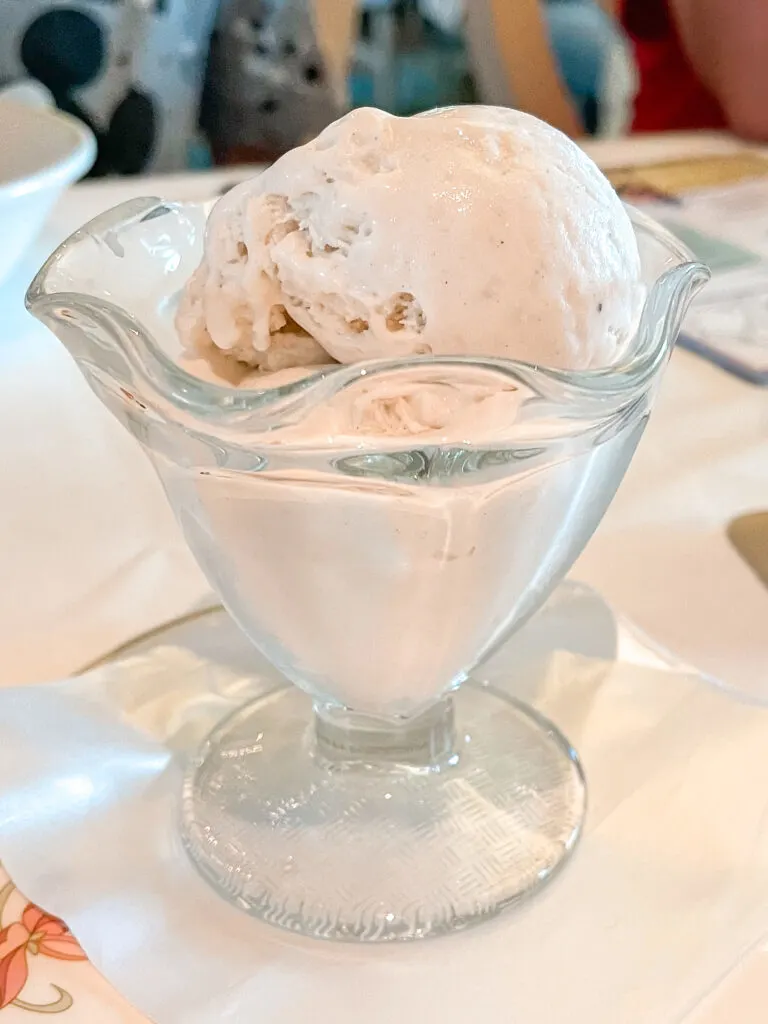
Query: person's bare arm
[520, 36]
[727, 44]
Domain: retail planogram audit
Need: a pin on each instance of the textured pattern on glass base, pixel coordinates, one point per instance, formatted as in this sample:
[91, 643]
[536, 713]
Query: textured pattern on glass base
[378, 852]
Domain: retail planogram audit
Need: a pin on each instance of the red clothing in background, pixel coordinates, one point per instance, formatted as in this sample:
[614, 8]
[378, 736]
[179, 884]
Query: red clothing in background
[671, 97]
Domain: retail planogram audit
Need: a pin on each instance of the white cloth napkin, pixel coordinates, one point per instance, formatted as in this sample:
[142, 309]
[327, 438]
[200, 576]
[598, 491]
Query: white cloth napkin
[666, 892]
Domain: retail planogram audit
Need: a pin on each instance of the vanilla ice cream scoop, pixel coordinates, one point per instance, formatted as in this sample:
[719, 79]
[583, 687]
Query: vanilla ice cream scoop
[476, 231]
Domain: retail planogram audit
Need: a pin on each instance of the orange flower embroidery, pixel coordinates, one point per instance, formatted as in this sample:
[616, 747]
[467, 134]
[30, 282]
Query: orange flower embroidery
[37, 934]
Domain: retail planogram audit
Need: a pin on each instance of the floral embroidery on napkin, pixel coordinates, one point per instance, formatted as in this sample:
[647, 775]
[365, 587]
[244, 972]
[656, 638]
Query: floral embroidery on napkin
[34, 934]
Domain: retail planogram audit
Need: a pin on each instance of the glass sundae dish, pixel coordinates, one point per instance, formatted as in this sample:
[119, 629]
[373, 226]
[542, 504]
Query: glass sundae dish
[378, 501]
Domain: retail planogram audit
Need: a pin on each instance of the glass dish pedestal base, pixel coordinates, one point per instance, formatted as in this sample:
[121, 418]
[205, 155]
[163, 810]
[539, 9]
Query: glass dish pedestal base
[339, 826]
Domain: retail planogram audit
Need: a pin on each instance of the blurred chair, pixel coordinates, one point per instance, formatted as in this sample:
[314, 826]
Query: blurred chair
[337, 27]
[590, 50]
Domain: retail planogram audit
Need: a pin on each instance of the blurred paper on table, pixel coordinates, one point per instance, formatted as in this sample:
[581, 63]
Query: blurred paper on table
[718, 207]
[749, 535]
[675, 177]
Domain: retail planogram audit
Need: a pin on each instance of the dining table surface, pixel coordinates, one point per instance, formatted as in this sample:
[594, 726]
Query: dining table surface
[92, 558]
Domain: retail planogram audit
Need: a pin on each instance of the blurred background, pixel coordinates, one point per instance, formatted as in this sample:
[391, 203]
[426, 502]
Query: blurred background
[173, 84]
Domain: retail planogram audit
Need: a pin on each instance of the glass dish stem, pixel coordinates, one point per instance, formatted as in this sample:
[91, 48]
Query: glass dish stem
[345, 738]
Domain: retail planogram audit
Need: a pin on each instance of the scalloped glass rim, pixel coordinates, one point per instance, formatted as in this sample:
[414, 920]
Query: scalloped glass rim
[586, 392]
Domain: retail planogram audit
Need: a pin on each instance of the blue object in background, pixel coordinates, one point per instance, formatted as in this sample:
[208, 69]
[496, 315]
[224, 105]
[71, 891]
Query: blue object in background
[581, 36]
[435, 74]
